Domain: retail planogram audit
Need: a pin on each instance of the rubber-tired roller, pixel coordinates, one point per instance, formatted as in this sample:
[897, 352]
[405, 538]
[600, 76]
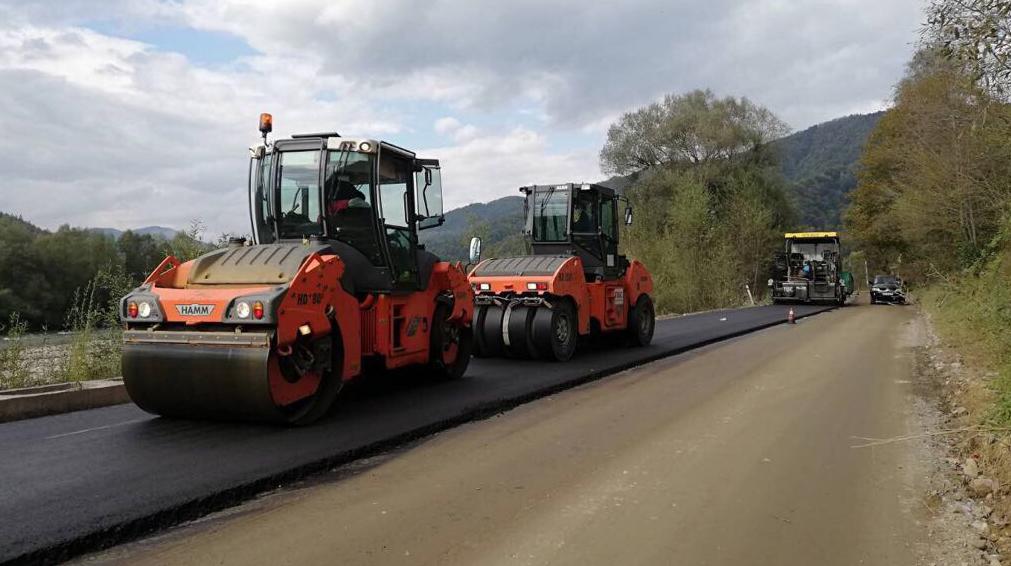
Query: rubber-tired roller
[574, 284]
[332, 286]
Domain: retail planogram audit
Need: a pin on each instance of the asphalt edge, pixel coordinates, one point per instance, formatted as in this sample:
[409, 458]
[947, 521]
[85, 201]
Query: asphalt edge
[135, 529]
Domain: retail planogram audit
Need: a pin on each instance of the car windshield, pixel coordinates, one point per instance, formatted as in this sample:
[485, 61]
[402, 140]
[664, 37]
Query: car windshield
[885, 280]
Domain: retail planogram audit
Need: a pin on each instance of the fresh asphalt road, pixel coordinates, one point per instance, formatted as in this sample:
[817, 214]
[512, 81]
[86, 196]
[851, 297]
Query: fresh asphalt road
[746, 452]
[81, 481]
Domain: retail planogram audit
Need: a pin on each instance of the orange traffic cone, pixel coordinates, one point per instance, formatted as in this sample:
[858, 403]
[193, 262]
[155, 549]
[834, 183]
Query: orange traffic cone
[791, 318]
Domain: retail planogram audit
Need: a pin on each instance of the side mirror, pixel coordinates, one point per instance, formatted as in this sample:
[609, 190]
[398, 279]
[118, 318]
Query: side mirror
[628, 216]
[870, 282]
[475, 250]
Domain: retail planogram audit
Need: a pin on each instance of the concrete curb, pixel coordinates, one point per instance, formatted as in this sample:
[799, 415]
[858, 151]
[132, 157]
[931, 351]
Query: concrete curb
[18, 404]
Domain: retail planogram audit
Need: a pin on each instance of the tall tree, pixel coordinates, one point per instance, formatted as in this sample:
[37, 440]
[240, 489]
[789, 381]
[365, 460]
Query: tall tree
[710, 198]
[977, 34]
[936, 178]
[694, 128]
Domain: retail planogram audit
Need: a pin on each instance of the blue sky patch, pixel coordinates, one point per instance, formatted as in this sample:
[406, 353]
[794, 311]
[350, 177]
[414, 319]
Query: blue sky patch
[207, 48]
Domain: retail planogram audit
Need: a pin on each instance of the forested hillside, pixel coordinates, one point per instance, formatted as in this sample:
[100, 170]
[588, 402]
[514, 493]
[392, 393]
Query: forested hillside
[44, 274]
[820, 166]
[498, 223]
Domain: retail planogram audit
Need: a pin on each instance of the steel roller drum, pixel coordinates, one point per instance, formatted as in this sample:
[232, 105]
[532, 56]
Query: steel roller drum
[201, 375]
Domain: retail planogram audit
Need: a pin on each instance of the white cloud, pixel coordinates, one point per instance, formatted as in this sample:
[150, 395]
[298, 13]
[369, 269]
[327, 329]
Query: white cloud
[489, 167]
[102, 130]
[581, 61]
[453, 128]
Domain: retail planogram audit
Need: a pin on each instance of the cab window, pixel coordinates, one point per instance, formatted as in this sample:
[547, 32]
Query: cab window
[298, 175]
[549, 214]
[394, 176]
[607, 219]
[261, 199]
[428, 197]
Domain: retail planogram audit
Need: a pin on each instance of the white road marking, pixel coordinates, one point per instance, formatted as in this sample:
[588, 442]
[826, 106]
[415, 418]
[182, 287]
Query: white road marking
[93, 429]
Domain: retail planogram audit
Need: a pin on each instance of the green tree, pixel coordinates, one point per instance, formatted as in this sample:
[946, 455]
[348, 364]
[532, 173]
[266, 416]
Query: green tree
[936, 177]
[189, 244]
[694, 128]
[710, 199]
[141, 253]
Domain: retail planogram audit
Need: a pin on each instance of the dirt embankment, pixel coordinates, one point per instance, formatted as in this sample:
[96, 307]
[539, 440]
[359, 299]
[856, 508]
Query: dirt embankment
[971, 510]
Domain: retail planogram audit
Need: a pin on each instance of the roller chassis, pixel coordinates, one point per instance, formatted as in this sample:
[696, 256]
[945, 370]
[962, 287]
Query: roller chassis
[327, 291]
[185, 364]
[541, 305]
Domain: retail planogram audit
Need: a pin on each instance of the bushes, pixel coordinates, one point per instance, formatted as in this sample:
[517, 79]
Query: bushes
[93, 347]
[972, 311]
[93, 318]
[703, 250]
[711, 203]
[15, 366]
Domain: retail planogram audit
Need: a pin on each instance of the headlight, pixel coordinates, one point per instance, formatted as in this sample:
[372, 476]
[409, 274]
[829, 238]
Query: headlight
[771, 282]
[242, 309]
[144, 309]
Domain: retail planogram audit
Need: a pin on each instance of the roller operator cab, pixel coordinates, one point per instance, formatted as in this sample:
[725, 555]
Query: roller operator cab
[810, 270]
[333, 285]
[574, 283]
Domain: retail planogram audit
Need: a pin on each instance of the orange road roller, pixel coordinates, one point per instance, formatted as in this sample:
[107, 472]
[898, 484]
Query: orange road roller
[332, 285]
[574, 284]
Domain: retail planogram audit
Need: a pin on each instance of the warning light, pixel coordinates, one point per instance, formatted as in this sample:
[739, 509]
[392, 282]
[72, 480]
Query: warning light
[266, 123]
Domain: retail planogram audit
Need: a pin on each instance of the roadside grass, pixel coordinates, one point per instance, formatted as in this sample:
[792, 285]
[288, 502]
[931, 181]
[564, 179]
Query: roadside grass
[15, 365]
[971, 315]
[94, 349]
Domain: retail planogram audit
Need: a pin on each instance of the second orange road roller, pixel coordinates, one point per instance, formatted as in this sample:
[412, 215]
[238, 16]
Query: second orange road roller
[333, 285]
[574, 284]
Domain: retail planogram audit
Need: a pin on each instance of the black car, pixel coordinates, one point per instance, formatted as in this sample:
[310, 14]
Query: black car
[887, 289]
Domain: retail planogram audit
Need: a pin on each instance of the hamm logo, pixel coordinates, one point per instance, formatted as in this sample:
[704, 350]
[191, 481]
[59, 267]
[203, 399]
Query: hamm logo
[195, 310]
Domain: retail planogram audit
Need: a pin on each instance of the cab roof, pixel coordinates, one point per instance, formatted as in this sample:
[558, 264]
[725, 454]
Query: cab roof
[606, 191]
[810, 235]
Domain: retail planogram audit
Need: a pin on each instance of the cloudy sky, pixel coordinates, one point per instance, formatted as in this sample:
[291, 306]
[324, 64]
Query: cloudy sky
[127, 113]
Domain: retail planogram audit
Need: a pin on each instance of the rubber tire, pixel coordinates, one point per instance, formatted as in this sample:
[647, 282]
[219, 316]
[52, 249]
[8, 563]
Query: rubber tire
[480, 311]
[642, 322]
[330, 387]
[520, 330]
[545, 340]
[465, 347]
[489, 331]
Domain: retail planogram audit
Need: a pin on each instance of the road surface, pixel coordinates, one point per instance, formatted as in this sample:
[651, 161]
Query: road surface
[740, 453]
[76, 482]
